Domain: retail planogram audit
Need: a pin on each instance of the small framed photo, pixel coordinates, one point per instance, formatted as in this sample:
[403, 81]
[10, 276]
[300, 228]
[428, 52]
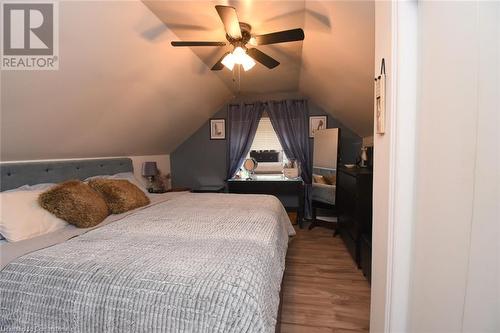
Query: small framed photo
[317, 123]
[218, 129]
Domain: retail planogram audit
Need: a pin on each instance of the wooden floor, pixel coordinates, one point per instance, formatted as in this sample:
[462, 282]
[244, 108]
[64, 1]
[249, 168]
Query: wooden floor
[323, 289]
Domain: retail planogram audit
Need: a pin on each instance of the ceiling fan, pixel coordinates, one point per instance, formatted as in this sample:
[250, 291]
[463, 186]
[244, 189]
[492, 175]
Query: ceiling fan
[238, 34]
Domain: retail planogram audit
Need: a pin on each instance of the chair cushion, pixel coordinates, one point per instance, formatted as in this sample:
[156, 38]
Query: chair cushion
[318, 179]
[330, 179]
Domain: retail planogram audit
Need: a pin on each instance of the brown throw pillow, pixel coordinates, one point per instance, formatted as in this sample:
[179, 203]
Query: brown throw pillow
[76, 203]
[330, 179]
[120, 194]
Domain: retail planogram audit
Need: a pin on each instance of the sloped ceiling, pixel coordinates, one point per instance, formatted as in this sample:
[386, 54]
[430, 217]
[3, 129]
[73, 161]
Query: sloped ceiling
[198, 20]
[115, 93]
[123, 90]
[337, 61]
[333, 66]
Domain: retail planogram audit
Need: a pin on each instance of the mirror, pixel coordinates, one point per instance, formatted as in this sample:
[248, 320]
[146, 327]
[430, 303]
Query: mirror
[250, 164]
[325, 161]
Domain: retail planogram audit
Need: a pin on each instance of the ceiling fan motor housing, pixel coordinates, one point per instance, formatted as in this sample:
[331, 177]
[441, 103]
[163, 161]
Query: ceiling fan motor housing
[245, 35]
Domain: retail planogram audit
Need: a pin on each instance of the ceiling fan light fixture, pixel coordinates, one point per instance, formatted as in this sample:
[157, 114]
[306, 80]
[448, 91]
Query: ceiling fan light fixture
[247, 62]
[239, 53]
[242, 58]
[229, 61]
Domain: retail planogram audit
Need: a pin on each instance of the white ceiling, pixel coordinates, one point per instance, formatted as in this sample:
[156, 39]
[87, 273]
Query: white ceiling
[121, 89]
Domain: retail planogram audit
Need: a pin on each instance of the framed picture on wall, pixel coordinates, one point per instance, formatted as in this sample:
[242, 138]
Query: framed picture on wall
[218, 129]
[379, 102]
[317, 123]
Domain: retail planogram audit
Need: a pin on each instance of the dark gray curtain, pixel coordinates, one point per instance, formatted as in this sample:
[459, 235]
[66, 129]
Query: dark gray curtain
[243, 120]
[290, 120]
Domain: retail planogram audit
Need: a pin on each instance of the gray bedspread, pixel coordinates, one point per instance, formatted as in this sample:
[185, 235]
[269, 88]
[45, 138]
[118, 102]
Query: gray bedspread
[196, 263]
[10, 251]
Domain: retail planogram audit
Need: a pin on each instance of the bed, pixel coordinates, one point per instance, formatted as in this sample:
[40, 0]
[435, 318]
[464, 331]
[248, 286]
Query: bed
[185, 263]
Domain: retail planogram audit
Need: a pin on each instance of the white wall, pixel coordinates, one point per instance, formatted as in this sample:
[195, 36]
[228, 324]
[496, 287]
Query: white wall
[436, 208]
[455, 274]
[402, 163]
[481, 308]
[381, 171]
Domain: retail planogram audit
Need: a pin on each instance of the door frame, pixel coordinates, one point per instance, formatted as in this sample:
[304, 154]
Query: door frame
[396, 41]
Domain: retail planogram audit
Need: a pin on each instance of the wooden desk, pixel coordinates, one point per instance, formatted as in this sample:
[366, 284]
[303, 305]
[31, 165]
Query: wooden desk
[289, 191]
[208, 189]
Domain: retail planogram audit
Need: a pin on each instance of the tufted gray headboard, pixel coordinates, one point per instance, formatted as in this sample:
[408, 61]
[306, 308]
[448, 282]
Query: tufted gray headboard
[13, 175]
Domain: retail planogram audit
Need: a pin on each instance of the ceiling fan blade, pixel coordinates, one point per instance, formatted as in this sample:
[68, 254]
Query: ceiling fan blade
[280, 37]
[263, 58]
[230, 20]
[218, 65]
[180, 43]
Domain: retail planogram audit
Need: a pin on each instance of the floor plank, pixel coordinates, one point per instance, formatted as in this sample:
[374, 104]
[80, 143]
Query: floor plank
[323, 291]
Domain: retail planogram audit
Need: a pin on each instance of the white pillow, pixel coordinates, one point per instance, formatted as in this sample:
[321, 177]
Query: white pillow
[123, 175]
[21, 217]
[42, 186]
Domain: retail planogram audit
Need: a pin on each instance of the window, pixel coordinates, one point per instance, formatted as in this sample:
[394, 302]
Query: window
[267, 140]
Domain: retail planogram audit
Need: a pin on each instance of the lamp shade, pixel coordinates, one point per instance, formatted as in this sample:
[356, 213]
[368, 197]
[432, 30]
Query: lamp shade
[149, 169]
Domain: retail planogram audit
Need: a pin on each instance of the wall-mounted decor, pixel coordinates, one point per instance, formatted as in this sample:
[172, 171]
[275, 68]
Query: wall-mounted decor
[218, 129]
[379, 103]
[317, 123]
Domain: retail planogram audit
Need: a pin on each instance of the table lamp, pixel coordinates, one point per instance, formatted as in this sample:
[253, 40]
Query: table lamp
[149, 170]
[364, 157]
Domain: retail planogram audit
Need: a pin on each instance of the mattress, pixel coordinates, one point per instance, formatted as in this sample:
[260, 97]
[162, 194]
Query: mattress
[195, 263]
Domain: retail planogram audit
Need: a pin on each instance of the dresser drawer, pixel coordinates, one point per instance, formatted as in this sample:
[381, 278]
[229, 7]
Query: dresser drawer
[352, 245]
[347, 183]
[354, 199]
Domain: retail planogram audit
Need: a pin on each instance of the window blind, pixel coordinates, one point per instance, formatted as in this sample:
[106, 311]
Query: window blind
[265, 137]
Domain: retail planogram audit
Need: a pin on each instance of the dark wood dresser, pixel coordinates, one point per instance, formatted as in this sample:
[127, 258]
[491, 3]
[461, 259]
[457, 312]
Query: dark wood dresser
[354, 202]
